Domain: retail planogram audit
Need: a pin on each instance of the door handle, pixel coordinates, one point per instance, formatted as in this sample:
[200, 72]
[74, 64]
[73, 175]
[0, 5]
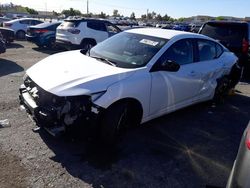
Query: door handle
[192, 73]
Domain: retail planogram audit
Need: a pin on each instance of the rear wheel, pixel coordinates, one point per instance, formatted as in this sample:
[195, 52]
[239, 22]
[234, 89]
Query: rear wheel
[51, 43]
[222, 89]
[20, 35]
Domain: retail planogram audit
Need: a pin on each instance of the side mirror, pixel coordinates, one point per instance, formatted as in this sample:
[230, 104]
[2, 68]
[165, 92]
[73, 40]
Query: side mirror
[167, 65]
[170, 66]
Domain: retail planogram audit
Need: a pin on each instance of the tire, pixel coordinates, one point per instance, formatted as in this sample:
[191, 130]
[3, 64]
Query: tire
[116, 121]
[87, 44]
[20, 35]
[222, 89]
[51, 43]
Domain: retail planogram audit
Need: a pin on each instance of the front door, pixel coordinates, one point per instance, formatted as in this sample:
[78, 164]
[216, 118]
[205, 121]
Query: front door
[173, 90]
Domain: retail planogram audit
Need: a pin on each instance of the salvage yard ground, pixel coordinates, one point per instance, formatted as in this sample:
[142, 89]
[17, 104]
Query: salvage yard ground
[193, 147]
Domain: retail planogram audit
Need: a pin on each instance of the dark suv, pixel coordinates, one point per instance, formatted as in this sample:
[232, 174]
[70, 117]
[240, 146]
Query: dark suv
[234, 35]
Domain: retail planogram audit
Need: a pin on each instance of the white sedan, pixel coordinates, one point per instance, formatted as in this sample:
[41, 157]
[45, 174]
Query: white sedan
[128, 79]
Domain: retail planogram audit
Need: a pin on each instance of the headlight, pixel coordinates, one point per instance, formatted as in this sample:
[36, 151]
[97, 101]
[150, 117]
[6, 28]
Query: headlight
[25, 76]
[96, 96]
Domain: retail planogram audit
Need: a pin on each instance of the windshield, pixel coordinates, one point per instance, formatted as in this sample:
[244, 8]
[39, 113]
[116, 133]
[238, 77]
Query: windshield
[128, 50]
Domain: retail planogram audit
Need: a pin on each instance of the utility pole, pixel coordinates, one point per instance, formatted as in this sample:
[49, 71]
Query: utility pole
[87, 7]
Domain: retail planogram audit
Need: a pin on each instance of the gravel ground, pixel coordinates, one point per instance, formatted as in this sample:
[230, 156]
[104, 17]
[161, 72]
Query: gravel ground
[193, 147]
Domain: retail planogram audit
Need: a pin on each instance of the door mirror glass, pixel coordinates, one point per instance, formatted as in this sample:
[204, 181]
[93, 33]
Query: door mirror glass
[170, 66]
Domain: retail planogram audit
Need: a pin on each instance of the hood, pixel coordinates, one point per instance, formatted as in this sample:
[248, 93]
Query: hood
[72, 73]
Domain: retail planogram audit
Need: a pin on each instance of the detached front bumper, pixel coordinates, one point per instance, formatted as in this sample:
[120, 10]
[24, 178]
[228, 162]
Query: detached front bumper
[57, 114]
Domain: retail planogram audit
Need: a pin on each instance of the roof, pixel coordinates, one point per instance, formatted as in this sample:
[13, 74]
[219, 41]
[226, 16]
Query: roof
[227, 22]
[162, 33]
[20, 19]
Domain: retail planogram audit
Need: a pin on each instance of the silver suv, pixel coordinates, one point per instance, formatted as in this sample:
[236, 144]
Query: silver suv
[84, 33]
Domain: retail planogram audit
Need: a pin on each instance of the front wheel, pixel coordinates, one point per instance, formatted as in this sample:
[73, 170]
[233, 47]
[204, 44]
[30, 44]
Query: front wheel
[116, 121]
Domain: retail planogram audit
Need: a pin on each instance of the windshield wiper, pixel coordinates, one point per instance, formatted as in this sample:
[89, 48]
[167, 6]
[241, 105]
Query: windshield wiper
[105, 60]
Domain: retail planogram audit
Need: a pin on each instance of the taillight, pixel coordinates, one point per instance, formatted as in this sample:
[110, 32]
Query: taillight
[40, 31]
[7, 24]
[245, 46]
[248, 139]
[74, 31]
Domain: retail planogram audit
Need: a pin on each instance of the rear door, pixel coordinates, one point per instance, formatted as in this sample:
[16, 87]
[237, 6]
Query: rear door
[97, 30]
[211, 64]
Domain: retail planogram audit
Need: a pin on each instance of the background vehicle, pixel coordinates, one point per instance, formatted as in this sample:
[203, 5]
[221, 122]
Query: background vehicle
[20, 26]
[84, 33]
[8, 35]
[195, 28]
[3, 19]
[233, 35]
[2, 44]
[181, 27]
[128, 79]
[239, 176]
[43, 34]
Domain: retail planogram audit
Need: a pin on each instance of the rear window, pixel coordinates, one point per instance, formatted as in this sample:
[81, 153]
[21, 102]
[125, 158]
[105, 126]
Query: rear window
[229, 33]
[70, 23]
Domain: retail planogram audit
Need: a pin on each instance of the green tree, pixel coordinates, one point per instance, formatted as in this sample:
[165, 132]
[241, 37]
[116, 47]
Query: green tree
[102, 15]
[181, 19]
[144, 17]
[31, 11]
[158, 17]
[219, 18]
[115, 13]
[71, 12]
[166, 17]
[132, 16]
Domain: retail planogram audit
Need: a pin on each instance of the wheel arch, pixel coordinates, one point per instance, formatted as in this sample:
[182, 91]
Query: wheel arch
[88, 40]
[20, 30]
[136, 104]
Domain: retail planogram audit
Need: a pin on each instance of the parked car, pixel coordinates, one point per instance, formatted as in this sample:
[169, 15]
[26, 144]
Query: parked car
[8, 34]
[239, 176]
[2, 44]
[128, 79]
[182, 27]
[233, 35]
[84, 33]
[3, 19]
[20, 26]
[43, 34]
[195, 28]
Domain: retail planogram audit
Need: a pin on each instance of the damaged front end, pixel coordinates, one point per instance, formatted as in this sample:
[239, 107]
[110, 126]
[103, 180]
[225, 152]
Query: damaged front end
[54, 113]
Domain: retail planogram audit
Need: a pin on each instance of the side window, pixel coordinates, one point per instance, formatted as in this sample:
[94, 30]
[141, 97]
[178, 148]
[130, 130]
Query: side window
[180, 52]
[219, 50]
[25, 22]
[207, 50]
[33, 22]
[96, 26]
[111, 28]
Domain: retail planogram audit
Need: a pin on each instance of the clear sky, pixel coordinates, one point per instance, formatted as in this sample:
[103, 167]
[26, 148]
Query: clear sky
[174, 8]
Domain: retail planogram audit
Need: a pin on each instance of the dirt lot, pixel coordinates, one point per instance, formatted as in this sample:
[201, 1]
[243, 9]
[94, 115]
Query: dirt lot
[193, 147]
